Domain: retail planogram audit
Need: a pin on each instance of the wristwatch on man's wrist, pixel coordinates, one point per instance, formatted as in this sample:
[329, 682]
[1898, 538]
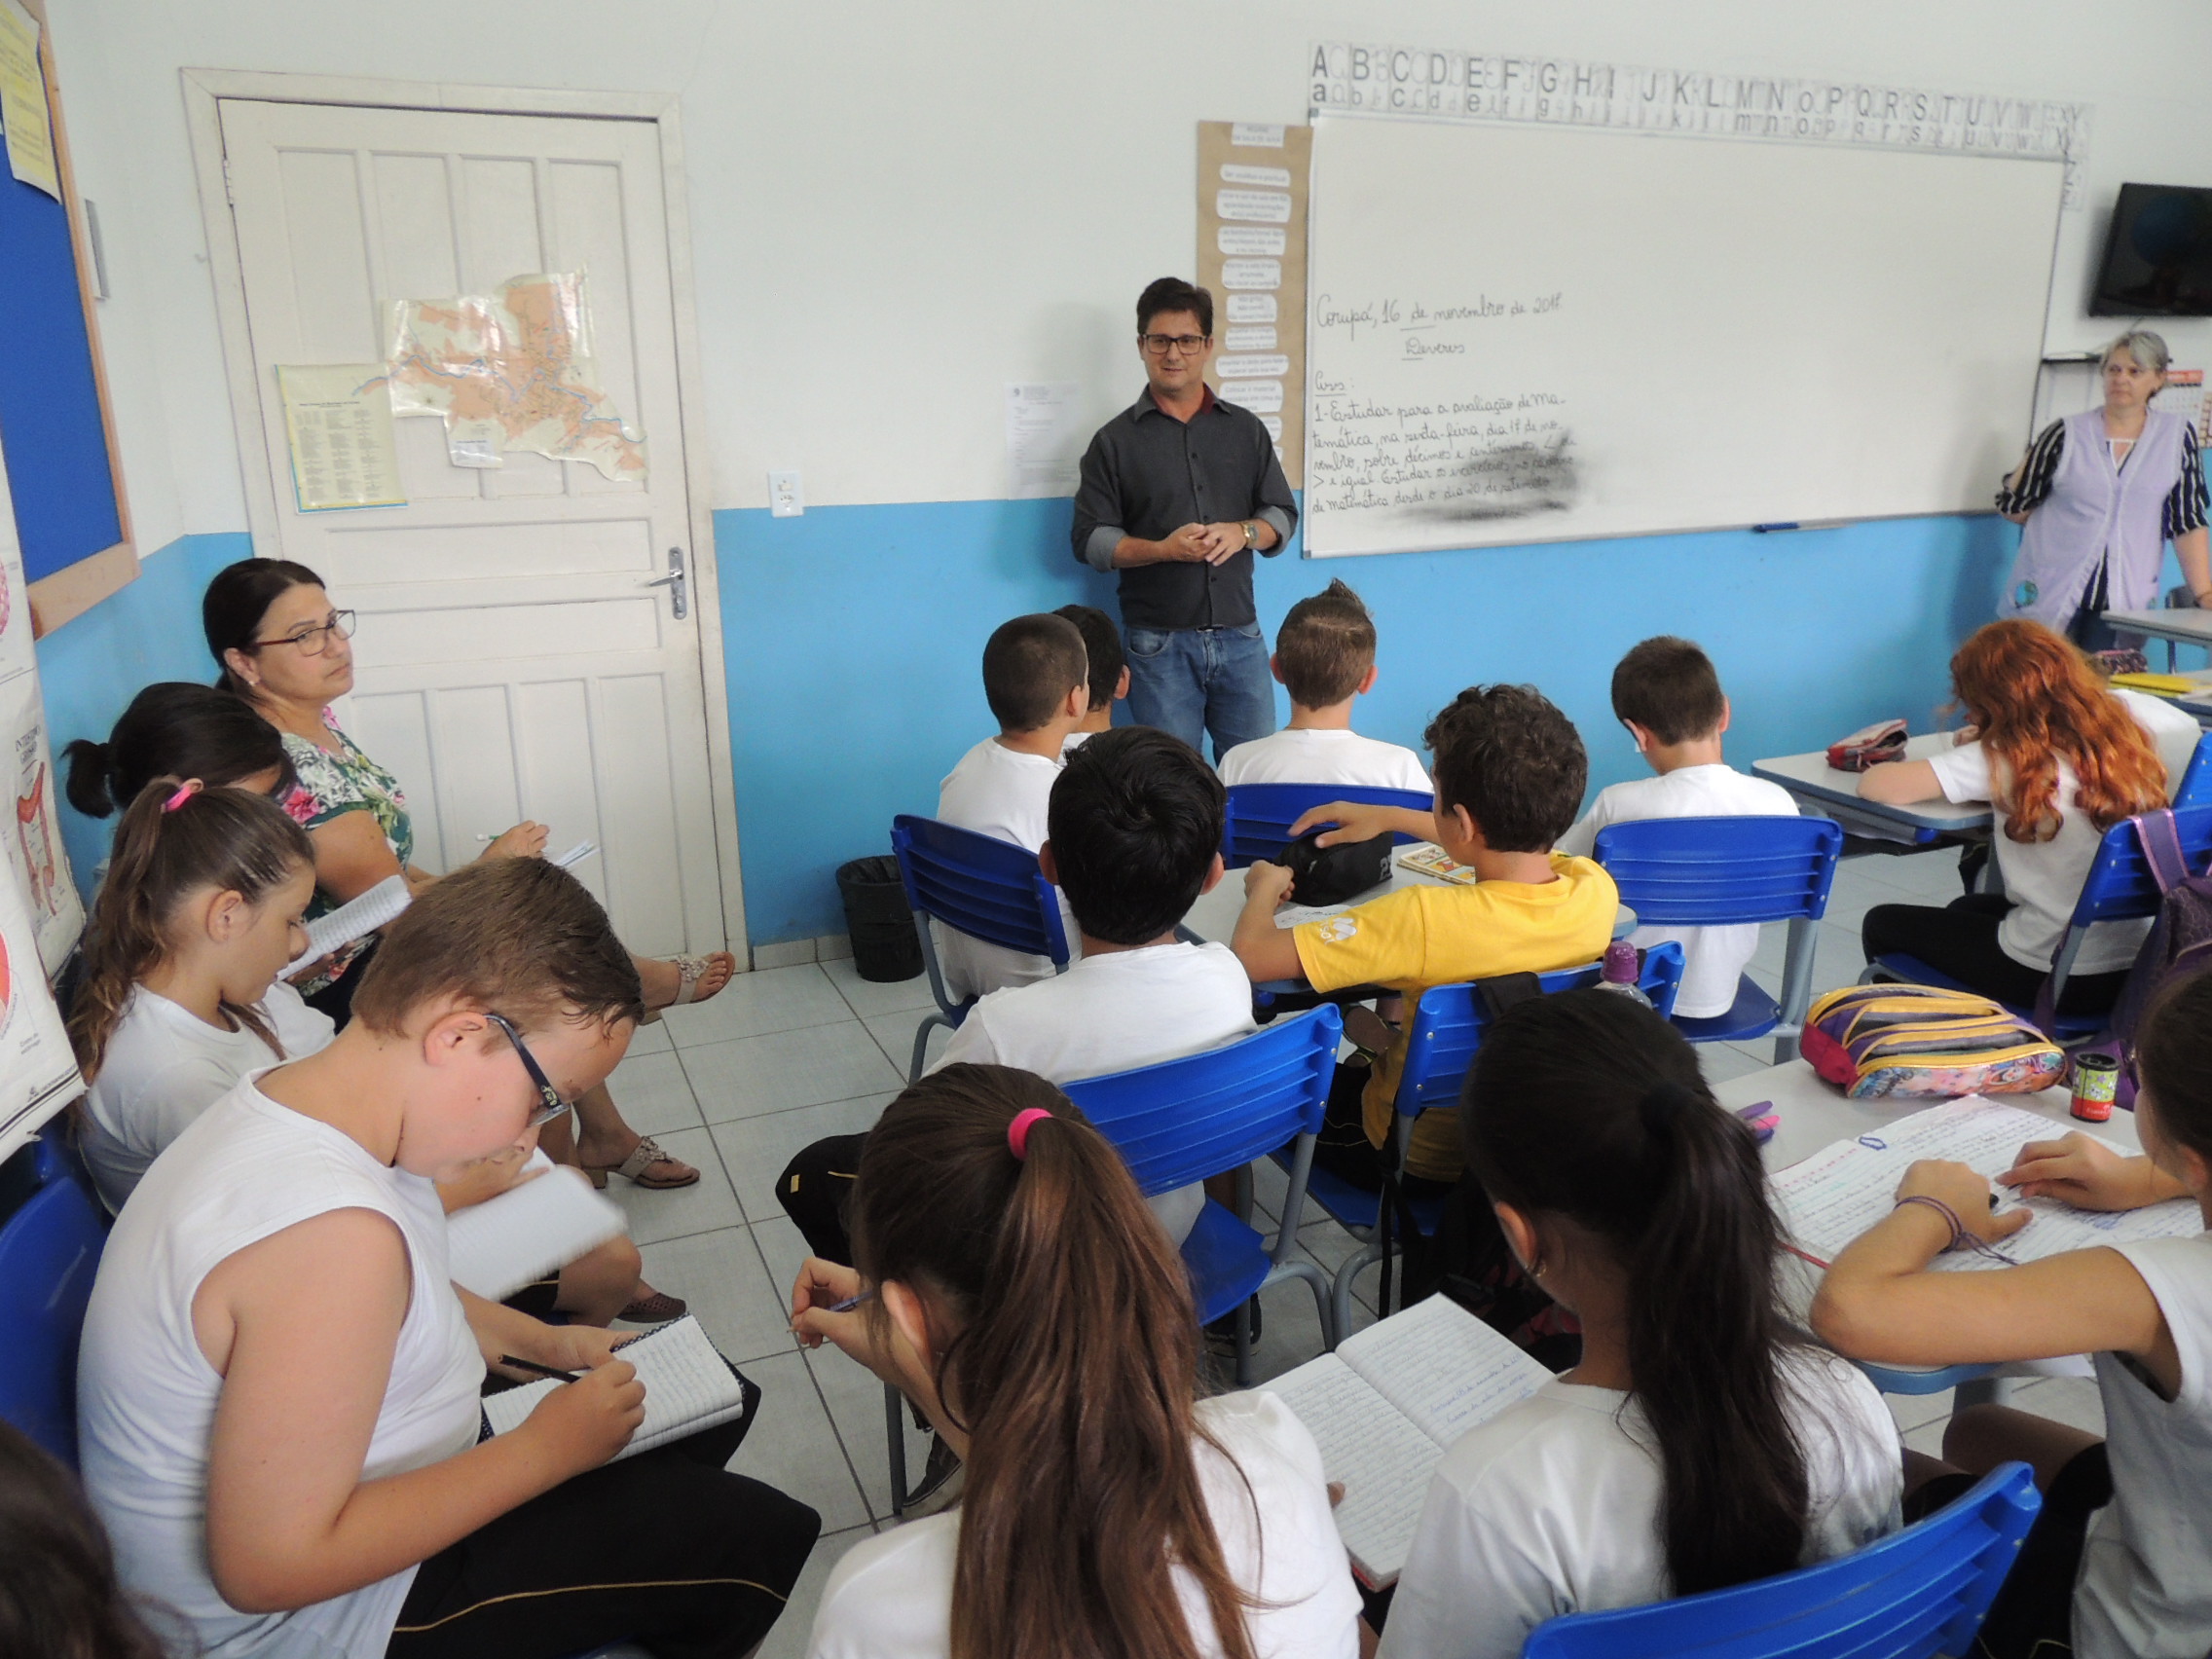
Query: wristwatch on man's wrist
[1251, 534]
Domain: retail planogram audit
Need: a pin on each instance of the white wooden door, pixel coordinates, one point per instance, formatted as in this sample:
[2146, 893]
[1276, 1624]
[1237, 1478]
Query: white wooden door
[512, 660]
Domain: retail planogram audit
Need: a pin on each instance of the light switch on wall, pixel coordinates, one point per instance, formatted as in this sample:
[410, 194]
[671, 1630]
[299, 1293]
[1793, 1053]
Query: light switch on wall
[785, 499]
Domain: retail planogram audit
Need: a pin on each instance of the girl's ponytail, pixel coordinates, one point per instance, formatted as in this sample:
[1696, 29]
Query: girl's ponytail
[174, 728]
[175, 839]
[1591, 1107]
[1075, 1369]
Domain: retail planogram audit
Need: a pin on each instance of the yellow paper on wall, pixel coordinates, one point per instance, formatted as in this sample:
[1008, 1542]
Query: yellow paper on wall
[23, 113]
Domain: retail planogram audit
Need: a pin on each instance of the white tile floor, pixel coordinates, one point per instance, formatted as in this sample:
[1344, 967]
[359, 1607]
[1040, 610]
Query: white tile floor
[787, 1054]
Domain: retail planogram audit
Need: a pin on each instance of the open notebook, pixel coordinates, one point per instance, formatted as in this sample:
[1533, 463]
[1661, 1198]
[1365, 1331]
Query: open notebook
[1385, 1406]
[1842, 1189]
[529, 1231]
[379, 906]
[689, 1387]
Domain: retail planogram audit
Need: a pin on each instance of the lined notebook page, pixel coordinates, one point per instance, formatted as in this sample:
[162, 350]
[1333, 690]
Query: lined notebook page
[527, 1232]
[378, 905]
[1443, 1367]
[688, 1386]
[1842, 1189]
[1383, 1460]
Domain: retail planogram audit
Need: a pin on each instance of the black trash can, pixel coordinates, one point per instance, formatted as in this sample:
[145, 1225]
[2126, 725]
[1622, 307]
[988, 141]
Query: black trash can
[884, 946]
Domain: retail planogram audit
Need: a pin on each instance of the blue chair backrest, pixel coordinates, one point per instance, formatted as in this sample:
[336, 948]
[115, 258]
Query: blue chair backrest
[2119, 885]
[2195, 786]
[49, 1251]
[1184, 1120]
[978, 885]
[1714, 871]
[1451, 1021]
[1260, 815]
[1917, 1593]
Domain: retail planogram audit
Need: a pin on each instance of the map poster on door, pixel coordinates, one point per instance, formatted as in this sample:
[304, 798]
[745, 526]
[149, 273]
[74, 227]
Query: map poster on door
[35, 854]
[510, 370]
[1252, 258]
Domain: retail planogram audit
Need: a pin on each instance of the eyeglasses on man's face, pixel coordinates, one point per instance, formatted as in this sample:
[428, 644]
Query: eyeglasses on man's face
[1161, 345]
[550, 1103]
[314, 638]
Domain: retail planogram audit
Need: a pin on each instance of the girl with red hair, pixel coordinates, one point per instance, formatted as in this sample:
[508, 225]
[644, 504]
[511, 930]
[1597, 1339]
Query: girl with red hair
[2062, 757]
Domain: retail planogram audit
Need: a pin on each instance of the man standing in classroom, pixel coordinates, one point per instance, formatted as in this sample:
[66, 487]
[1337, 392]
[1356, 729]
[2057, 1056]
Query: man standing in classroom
[1178, 492]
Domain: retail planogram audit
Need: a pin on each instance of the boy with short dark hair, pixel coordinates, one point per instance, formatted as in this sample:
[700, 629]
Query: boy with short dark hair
[1135, 822]
[1109, 670]
[1325, 659]
[1036, 677]
[1667, 694]
[1510, 775]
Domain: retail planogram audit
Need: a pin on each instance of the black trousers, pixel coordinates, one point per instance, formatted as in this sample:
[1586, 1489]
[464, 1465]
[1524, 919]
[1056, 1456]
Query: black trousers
[815, 1189]
[1960, 940]
[2033, 1615]
[665, 1548]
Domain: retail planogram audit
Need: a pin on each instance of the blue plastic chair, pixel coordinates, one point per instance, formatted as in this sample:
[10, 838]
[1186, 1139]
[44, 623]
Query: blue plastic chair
[49, 1251]
[1257, 825]
[978, 885]
[2119, 887]
[1448, 1027]
[1916, 1593]
[1182, 1120]
[1722, 871]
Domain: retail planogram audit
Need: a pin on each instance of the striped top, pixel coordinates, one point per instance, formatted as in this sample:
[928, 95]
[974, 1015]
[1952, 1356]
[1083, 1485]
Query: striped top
[2186, 506]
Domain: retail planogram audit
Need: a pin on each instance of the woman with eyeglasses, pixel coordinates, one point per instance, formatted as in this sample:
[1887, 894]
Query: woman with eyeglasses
[279, 1386]
[283, 648]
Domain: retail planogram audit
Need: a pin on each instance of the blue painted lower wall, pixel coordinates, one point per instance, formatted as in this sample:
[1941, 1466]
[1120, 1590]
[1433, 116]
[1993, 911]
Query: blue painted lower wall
[852, 638]
[90, 668]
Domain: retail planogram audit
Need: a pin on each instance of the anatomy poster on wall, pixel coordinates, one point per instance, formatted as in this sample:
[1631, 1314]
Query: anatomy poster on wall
[35, 854]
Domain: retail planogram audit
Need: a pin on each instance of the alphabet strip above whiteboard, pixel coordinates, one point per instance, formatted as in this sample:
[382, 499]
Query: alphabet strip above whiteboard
[1477, 85]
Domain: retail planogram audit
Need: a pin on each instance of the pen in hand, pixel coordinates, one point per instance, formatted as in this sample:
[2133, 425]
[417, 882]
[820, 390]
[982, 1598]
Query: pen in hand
[541, 1370]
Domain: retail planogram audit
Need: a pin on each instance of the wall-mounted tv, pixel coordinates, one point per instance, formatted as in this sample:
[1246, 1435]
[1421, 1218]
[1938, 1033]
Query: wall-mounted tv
[2158, 254]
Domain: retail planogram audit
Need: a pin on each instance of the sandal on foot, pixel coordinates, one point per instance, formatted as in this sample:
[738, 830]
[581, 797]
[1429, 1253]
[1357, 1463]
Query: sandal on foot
[646, 1166]
[690, 974]
[655, 1310]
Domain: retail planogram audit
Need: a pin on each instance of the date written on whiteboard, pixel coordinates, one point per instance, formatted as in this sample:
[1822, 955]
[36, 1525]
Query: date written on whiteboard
[1413, 317]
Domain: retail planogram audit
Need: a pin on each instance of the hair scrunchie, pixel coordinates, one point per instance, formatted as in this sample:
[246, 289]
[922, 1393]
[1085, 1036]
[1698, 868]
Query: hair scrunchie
[1018, 1132]
[184, 792]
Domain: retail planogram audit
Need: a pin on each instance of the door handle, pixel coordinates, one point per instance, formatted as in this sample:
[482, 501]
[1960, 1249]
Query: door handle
[677, 582]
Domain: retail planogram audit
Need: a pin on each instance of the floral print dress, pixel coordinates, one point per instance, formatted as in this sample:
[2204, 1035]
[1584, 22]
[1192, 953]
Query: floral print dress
[332, 782]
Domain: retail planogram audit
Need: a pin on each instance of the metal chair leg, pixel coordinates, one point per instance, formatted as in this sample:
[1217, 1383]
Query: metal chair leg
[930, 1022]
[894, 1420]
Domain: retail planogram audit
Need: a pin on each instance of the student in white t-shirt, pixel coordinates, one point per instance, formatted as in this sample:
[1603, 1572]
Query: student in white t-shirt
[1135, 826]
[1010, 1284]
[1698, 1444]
[1669, 696]
[1325, 659]
[1109, 668]
[180, 1001]
[2062, 757]
[2116, 1562]
[279, 1387]
[1037, 679]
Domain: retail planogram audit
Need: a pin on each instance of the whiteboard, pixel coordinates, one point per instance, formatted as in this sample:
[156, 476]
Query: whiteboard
[1522, 333]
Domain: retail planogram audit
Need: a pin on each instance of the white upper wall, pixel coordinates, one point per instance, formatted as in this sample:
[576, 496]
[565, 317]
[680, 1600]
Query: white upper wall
[897, 210]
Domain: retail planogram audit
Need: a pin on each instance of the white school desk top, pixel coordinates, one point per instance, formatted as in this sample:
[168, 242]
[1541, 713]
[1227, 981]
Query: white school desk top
[1214, 916]
[1815, 1113]
[1831, 794]
[2190, 627]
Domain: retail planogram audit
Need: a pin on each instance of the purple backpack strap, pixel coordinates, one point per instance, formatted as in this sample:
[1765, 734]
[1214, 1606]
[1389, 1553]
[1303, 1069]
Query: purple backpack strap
[2161, 840]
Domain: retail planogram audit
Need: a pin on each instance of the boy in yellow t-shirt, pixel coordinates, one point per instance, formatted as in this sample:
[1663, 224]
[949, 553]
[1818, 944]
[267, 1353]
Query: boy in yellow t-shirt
[1510, 769]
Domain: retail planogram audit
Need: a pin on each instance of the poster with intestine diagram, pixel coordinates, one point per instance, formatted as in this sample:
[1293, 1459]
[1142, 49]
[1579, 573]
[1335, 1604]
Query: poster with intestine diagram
[33, 838]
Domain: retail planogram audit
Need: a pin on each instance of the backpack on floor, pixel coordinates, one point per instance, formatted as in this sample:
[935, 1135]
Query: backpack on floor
[2179, 944]
[1924, 1040]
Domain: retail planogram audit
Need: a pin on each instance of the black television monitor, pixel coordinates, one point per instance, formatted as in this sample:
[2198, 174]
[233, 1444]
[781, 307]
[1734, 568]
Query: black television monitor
[2158, 255]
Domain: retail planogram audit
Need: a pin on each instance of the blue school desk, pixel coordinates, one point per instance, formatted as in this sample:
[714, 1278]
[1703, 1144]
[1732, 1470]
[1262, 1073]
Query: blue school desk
[1821, 790]
[1814, 1114]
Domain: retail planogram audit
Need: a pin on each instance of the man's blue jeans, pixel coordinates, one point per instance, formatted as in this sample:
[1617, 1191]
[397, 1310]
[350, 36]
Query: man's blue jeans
[1196, 681]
